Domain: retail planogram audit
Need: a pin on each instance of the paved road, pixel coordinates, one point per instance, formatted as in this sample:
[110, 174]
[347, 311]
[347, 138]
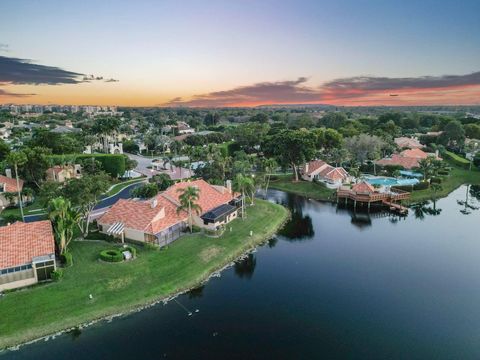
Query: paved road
[101, 207]
[142, 165]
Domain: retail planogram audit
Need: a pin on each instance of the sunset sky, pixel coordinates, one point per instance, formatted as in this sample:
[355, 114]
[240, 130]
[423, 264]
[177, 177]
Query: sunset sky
[240, 53]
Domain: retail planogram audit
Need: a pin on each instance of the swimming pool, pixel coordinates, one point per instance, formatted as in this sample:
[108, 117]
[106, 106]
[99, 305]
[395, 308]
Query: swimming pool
[390, 181]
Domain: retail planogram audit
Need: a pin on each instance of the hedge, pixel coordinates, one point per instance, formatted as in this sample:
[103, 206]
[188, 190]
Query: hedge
[113, 164]
[457, 160]
[111, 255]
[422, 185]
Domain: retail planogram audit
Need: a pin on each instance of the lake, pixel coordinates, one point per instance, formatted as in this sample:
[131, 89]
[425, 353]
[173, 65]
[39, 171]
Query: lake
[333, 284]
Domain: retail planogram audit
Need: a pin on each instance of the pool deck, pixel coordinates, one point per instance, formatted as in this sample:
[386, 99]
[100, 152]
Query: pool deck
[390, 199]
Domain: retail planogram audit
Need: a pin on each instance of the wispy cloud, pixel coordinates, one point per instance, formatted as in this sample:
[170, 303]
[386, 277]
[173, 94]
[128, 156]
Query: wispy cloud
[111, 80]
[17, 71]
[4, 93]
[280, 92]
[4, 47]
[368, 89]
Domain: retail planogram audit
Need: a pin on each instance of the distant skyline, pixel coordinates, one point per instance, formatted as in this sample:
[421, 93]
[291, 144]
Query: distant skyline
[240, 53]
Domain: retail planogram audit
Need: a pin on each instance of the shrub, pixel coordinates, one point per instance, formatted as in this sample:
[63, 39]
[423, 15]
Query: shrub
[67, 259]
[57, 274]
[112, 164]
[435, 180]
[456, 159]
[420, 186]
[111, 255]
[443, 172]
[132, 249]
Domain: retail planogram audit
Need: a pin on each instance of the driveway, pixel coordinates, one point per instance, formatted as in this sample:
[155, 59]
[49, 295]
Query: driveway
[142, 164]
[101, 207]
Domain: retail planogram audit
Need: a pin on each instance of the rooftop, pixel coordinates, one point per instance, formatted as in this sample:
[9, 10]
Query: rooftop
[21, 242]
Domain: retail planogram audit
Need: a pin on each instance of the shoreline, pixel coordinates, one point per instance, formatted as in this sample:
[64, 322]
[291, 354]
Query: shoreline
[229, 261]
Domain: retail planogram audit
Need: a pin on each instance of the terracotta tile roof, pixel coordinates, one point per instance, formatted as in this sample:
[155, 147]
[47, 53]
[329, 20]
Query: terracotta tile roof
[363, 187]
[10, 183]
[142, 215]
[210, 196]
[20, 242]
[314, 165]
[406, 142]
[414, 153]
[335, 174]
[406, 162]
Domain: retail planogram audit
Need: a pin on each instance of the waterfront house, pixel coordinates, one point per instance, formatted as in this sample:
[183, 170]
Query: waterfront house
[9, 185]
[319, 170]
[27, 254]
[408, 159]
[157, 220]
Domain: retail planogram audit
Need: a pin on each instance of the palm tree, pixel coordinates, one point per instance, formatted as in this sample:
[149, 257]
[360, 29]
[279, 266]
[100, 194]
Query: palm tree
[64, 219]
[270, 165]
[17, 159]
[425, 166]
[243, 184]
[188, 202]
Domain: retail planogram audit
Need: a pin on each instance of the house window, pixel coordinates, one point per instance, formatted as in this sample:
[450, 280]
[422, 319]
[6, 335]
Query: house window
[44, 270]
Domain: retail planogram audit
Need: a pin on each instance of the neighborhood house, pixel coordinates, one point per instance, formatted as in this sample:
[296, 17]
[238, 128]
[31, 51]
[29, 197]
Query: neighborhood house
[319, 170]
[27, 254]
[63, 173]
[408, 159]
[9, 185]
[158, 220]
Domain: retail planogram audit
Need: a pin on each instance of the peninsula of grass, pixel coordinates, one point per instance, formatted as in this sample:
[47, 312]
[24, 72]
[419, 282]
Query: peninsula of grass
[308, 189]
[121, 287]
[458, 176]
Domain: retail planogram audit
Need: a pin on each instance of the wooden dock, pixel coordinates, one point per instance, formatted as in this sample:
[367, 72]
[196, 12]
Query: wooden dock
[364, 193]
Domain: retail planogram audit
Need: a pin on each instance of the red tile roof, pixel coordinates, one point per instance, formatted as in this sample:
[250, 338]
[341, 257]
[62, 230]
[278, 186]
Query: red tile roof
[405, 162]
[10, 184]
[314, 165]
[140, 215]
[335, 174]
[406, 142]
[363, 187]
[414, 153]
[210, 196]
[21, 242]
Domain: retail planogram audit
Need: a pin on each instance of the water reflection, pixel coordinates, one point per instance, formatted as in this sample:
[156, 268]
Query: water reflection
[196, 293]
[300, 226]
[472, 195]
[245, 268]
[422, 209]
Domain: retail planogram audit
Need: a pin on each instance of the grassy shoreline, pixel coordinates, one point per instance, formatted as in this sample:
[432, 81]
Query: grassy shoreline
[457, 177]
[308, 189]
[120, 288]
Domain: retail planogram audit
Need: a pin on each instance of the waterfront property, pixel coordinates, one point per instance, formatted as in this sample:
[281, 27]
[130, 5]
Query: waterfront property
[158, 220]
[117, 288]
[27, 254]
[408, 159]
[365, 194]
[319, 170]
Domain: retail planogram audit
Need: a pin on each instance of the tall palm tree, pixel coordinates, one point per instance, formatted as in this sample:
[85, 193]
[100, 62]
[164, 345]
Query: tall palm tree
[270, 165]
[425, 166]
[188, 202]
[17, 159]
[243, 184]
[64, 219]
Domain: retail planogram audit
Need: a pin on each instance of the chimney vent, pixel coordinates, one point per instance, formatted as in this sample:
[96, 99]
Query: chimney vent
[154, 203]
[8, 173]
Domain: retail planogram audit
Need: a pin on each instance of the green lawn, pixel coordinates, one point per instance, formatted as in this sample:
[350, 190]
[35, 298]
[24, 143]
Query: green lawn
[47, 308]
[458, 176]
[304, 188]
[30, 209]
[120, 186]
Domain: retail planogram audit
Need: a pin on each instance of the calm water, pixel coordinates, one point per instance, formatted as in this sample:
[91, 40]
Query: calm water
[332, 285]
